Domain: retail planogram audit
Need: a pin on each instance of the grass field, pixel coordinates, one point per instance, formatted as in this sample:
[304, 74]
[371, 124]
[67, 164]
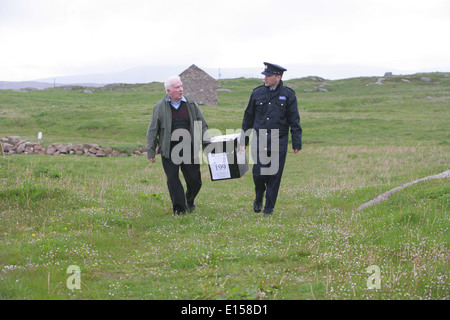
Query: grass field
[111, 217]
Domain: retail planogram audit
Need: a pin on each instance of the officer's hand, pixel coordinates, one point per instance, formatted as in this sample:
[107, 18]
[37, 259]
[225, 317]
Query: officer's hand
[296, 150]
[152, 160]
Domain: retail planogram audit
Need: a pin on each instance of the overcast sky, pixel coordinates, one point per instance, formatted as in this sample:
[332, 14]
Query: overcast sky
[51, 38]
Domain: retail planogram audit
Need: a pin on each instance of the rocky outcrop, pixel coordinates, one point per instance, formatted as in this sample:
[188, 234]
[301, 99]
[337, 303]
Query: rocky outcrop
[16, 145]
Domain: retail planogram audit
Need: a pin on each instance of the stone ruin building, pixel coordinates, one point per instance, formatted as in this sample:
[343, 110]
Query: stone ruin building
[199, 86]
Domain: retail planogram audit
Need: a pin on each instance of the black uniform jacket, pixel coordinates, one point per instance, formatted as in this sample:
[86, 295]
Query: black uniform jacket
[275, 109]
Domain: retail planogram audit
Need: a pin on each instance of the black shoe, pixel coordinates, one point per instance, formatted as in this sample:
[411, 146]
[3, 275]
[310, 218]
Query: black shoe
[257, 206]
[268, 212]
[190, 207]
[258, 203]
[179, 210]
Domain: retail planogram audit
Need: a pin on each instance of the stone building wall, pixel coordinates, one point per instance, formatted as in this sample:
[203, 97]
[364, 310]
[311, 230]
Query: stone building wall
[199, 86]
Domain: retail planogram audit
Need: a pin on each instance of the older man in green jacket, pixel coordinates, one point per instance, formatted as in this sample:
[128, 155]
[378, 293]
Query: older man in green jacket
[176, 131]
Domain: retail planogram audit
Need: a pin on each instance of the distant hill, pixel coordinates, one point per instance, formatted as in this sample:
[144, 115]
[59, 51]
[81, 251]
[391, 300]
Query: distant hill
[148, 74]
[14, 85]
[37, 85]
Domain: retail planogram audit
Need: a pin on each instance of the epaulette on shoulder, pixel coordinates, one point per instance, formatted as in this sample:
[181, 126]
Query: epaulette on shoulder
[290, 89]
[259, 87]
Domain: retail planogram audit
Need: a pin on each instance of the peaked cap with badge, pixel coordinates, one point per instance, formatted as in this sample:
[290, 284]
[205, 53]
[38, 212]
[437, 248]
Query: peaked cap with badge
[273, 69]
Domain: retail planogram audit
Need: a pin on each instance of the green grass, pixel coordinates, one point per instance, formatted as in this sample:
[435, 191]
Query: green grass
[112, 216]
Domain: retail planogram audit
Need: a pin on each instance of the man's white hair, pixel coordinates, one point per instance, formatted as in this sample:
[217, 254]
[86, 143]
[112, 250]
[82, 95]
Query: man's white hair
[169, 81]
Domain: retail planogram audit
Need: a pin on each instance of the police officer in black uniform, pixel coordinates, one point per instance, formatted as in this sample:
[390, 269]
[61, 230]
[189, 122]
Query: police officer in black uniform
[271, 111]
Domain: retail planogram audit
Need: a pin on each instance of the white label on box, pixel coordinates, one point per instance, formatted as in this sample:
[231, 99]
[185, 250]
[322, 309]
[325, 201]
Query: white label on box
[218, 163]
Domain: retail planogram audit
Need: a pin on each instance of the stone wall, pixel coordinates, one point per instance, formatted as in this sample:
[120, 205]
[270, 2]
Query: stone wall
[199, 86]
[16, 145]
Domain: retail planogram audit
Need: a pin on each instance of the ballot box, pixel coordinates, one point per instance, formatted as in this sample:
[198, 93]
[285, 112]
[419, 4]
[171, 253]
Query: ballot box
[225, 159]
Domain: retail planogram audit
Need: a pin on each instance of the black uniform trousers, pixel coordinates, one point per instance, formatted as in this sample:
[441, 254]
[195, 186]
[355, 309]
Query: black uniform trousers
[269, 183]
[192, 176]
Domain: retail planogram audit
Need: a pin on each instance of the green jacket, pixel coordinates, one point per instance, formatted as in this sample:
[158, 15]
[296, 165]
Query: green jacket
[160, 128]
